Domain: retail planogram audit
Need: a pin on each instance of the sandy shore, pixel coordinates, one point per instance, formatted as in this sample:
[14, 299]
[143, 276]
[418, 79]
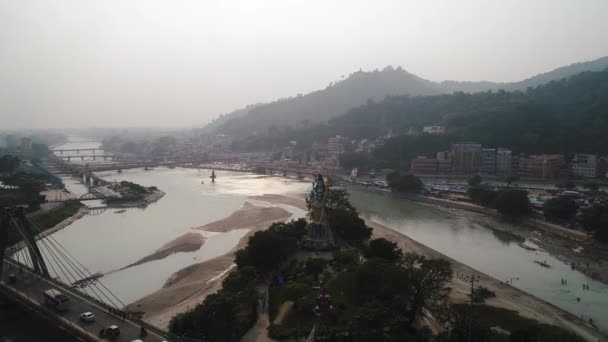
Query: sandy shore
[299, 203]
[507, 297]
[188, 242]
[188, 287]
[248, 216]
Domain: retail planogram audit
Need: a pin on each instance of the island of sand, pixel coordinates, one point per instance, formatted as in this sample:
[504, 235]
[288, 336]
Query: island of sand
[188, 242]
[188, 287]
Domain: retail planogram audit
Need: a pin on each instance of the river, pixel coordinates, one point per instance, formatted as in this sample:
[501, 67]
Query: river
[109, 241]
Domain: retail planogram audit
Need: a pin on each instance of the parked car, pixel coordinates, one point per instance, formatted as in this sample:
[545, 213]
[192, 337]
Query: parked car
[87, 317]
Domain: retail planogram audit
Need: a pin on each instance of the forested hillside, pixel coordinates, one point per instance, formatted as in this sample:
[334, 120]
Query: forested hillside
[320, 106]
[566, 116]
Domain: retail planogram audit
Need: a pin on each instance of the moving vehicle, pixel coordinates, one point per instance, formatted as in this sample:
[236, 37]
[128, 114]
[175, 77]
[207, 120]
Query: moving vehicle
[111, 332]
[87, 317]
[56, 300]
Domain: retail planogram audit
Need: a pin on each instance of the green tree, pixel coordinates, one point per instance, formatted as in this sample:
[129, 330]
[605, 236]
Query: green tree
[347, 258]
[512, 203]
[404, 182]
[8, 165]
[382, 248]
[267, 249]
[429, 282]
[595, 218]
[560, 208]
[315, 266]
[474, 181]
[349, 226]
[224, 316]
[482, 196]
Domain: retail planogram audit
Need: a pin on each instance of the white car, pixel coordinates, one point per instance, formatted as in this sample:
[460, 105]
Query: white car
[87, 317]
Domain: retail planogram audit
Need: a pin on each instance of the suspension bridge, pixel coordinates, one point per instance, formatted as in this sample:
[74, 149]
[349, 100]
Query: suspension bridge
[34, 263]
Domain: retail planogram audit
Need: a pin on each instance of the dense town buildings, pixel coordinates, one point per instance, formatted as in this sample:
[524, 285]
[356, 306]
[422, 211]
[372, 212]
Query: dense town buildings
[424, 165]
[434, 130]
[504, 162]
[584, 166]
[444, 162]
[466, 157]
[488, 161]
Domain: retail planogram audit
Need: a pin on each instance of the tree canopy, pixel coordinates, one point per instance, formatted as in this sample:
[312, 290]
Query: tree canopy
[404, 182]
[560, 208]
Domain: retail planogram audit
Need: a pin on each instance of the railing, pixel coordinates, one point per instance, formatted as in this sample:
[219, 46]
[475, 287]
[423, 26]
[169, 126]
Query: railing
[122, 315]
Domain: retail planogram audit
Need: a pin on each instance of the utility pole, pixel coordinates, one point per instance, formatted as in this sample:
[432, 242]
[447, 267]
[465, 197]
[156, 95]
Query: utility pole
[471, 278]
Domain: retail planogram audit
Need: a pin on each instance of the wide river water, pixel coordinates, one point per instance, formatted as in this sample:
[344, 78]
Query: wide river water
[108, 241]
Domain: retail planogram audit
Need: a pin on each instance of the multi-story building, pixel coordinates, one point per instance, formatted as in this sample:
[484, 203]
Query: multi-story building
[466, 157]
[504, 161]
[444, 162]
[26, 145]
[542, 166]
[488, 161]
[584, 166]
[335, 146]
[423, 165]
[434, 130]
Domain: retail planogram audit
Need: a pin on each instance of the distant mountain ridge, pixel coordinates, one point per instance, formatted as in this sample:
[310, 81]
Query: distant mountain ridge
[358, 88]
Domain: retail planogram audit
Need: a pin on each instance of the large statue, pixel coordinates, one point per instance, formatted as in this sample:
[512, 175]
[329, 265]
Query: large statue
[319, 234]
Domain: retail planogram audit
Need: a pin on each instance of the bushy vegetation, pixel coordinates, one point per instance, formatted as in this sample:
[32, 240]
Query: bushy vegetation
[560, 208]
[267, 249]
[511, 203]
[484, 320]
[129, 192]
[225, 315]
[595, 218]
[404, 182]
[229, 313]
[344, 219]
[480, 294]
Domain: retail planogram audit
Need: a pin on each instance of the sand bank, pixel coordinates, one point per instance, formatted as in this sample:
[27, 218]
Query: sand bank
[188, 242]
[507, 297]
[248, 216]
[299, 203]
[188, 287]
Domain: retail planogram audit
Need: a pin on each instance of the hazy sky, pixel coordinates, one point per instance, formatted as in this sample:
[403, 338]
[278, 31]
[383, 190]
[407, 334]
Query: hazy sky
[79, 63]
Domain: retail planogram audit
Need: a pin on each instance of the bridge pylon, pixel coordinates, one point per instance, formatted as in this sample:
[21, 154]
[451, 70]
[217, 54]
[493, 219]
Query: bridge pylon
[16, 216]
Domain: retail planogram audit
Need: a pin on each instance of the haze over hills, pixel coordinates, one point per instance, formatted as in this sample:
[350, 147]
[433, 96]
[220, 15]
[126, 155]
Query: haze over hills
[361, 86]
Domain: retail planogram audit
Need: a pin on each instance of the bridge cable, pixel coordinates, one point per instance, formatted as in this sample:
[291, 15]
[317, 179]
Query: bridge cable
[82, 277]
[62, 267]
[54, 257]
[25, 240]
[84, 271]
[75, 268]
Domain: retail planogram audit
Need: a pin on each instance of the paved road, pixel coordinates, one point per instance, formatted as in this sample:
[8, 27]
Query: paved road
[32, 286]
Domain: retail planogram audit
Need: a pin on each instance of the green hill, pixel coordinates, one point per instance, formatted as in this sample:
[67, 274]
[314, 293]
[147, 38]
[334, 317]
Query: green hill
[360, 87]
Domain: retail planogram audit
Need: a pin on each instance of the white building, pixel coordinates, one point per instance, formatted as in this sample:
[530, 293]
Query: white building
[434, 130]
[504, 161]
[584, 165]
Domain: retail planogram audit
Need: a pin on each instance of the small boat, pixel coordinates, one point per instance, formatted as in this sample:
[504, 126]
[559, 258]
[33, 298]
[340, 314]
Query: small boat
[203, 182]
[543, 263]
[524, 246]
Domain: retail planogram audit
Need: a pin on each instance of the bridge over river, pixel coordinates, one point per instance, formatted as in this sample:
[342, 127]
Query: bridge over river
[36, 264]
